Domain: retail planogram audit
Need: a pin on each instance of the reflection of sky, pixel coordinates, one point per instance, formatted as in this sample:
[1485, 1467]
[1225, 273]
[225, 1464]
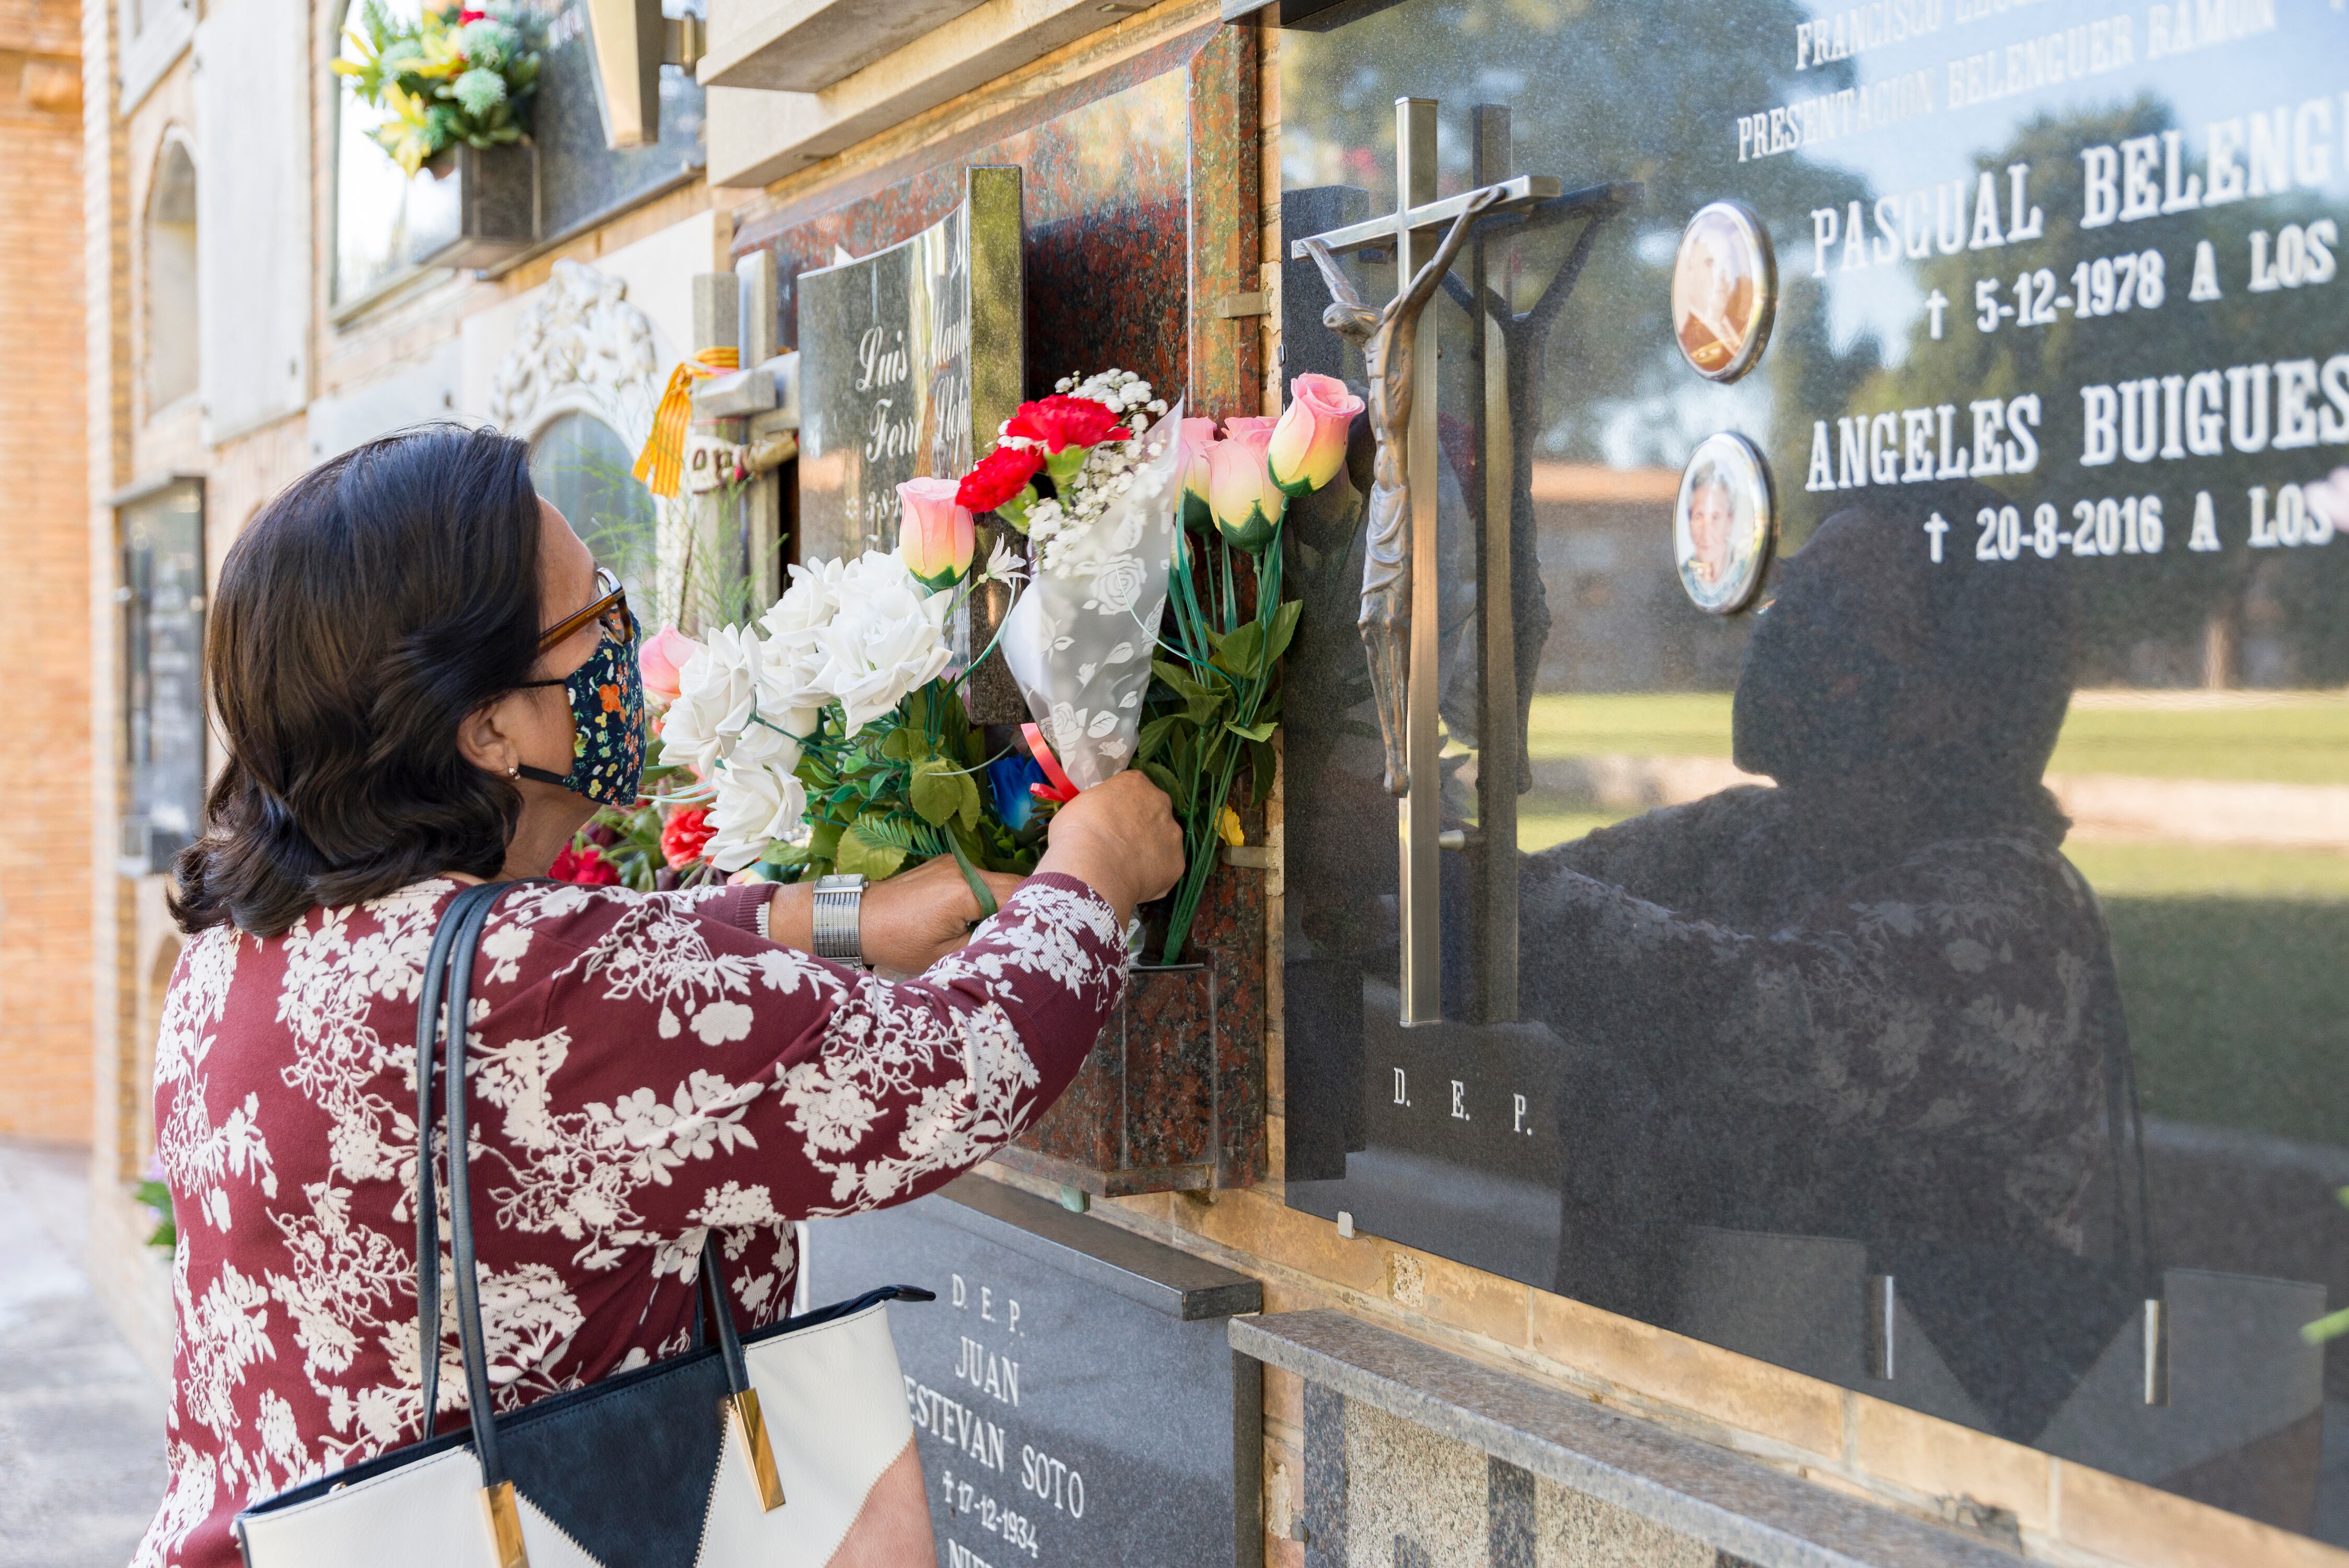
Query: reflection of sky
[2216, 82]
[1529, 63]
[378, 209]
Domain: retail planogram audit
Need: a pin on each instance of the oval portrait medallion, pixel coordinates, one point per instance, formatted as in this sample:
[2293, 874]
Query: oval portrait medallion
[1724, 291]
[1724, 523]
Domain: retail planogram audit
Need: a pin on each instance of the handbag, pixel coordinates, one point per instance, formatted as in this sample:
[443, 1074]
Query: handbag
[792, 1446]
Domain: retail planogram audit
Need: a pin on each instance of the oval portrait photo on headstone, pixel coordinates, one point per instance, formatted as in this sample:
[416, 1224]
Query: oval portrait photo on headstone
[1724, 288]
[1724, 523]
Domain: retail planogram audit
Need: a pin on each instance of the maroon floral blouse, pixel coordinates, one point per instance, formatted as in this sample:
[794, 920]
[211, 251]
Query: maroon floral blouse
[645, 1068]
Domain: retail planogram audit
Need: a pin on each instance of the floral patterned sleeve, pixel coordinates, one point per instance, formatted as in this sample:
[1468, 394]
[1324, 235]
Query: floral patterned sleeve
[661, 1067]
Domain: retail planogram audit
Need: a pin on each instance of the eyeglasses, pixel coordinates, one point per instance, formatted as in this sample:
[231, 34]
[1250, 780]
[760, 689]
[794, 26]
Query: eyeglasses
[610, 607]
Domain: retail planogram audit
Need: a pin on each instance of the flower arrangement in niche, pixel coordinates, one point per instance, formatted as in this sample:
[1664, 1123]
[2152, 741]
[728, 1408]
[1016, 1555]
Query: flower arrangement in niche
[831, 733]
[1152, 632]
[453, 75]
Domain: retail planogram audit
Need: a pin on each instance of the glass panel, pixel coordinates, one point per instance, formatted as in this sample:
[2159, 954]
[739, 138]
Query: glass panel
[162, 673]
[172, 350]
[382, 216]
[1856, 931]
[581, 464]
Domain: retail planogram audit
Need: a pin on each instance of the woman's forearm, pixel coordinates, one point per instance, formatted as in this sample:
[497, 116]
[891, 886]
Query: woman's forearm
[791, 916]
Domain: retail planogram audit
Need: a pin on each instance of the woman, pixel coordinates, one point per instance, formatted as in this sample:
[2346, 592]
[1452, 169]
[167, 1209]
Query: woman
[422, 683]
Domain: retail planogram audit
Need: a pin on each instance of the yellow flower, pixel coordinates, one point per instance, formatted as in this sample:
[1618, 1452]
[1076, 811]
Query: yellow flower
[1228, 825]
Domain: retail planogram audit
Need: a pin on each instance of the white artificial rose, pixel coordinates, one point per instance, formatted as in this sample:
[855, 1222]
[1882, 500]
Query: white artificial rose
[790, 679]
[768, 745]
[756, 805]
[887, 637]
[717, 693]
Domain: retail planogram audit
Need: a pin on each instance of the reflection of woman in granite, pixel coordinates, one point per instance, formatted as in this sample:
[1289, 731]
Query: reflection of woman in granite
[1874, 1003]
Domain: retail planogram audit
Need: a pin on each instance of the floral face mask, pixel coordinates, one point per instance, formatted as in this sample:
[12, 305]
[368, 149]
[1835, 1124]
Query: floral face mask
[607, 712]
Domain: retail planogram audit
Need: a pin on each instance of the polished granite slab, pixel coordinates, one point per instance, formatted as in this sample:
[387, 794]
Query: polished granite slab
[1665, 1498]
[1927, 976]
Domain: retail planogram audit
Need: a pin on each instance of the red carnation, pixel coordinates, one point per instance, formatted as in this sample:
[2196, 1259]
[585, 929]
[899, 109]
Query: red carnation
[587, 866]
[1061, 422]
[1000, 475]
[687, 832]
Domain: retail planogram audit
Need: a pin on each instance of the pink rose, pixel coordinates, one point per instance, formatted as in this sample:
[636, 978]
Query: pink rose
[1245, 501]
[1240, 423]
[660, 659]
[1308, 443]
[1191, 458]
[934, 534]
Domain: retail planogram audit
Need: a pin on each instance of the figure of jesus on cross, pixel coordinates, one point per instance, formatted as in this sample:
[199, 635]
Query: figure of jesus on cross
[1388, 339]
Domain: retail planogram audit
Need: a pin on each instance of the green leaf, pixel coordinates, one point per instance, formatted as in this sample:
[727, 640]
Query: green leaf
[942, 792]
[902, 743]
[1284, 627]
[1259, 731]
[871, 845]
[823, 840]
[1261, 766]
[1242, 652]
[1154, 734]
[1164, 777]
[1177, 678]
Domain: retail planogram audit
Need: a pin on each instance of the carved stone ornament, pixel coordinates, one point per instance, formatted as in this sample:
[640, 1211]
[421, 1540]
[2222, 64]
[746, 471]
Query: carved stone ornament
[581, 347]
[712, 462]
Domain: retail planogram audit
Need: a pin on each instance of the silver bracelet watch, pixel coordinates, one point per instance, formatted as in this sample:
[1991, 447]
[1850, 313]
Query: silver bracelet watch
[838, 902]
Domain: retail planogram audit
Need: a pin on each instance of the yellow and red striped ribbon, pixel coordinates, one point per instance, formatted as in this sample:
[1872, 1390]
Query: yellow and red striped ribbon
[660, 466]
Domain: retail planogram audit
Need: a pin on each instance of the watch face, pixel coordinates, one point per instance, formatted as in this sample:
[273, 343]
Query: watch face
[1724, 291]
[1724, 523]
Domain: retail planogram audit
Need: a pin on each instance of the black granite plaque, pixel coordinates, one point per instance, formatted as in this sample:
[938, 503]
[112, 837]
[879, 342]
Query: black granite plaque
[581, 181]
[1074, 1395]
[162, 672]
[906, 358]
[1928, 978]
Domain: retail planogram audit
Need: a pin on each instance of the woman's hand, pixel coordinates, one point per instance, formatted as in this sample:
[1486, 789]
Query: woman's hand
[917, 917]
[1118, 838]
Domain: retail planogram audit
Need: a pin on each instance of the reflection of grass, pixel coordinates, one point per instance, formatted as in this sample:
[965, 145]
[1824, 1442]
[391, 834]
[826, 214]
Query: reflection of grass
[1663, 724]
[1546, 819]
[2295, 737]
[2124, 870]
[2233, 961]
[2235, 1010]
[2290, 739]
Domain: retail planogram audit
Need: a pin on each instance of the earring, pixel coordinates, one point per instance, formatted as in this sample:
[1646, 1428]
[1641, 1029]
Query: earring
[514, 770]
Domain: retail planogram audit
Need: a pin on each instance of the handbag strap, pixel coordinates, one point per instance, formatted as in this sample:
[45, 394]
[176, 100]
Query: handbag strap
[445, 1001]
[427, 1209]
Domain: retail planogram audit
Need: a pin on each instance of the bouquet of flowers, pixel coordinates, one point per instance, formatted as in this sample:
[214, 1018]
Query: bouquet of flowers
[1176, 518]
[453, 75]
[831, 734]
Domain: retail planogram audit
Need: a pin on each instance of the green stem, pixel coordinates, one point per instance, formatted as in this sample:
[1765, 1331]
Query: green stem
[1206, 825]
[1193, 626]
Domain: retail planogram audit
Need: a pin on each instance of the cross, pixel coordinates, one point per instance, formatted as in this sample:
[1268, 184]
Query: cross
[1416, 231]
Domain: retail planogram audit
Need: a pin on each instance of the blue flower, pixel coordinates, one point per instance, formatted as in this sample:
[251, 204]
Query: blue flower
[1009, 775]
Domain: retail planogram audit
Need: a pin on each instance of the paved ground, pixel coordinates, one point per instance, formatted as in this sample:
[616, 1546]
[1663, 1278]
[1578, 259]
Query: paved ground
[81, 1423]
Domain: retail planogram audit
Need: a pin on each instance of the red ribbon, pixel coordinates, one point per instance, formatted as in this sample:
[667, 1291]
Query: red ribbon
[1061, 791]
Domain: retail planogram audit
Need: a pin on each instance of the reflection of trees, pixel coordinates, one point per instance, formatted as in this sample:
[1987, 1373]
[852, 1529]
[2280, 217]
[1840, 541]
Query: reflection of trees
[1599, 93]
[2172, 597]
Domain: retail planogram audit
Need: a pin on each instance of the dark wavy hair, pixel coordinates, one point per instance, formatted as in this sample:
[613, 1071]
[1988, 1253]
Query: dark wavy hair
[382, 598]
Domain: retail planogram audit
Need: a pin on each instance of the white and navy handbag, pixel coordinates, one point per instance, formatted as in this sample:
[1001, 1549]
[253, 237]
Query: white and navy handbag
[791, 1449]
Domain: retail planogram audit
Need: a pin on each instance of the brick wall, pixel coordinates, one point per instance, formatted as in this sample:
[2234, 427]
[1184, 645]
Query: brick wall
[44, 941]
